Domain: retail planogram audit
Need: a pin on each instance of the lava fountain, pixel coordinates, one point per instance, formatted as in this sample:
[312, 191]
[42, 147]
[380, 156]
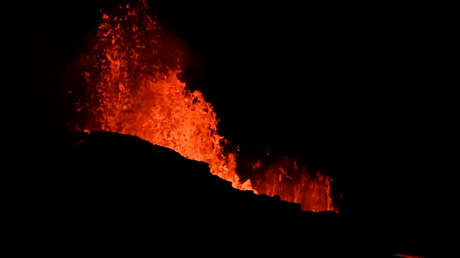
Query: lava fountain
[132, 87]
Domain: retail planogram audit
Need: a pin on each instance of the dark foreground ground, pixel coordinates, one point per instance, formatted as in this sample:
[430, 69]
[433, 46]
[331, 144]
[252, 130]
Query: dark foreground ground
[117, 195]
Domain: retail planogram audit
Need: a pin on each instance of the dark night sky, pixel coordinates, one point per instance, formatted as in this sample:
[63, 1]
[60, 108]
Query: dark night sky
[351, 87]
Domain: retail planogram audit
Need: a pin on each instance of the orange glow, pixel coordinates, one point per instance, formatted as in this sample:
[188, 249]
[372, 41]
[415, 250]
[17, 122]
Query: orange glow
[407, 256]
[132, 81]
[293, 183]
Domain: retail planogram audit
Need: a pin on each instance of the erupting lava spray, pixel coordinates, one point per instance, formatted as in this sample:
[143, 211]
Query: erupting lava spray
[133, 88]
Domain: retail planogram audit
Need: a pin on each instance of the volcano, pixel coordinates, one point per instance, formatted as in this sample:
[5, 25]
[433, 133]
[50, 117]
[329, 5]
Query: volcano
[118, 190]
[242, 127]
[133, 87]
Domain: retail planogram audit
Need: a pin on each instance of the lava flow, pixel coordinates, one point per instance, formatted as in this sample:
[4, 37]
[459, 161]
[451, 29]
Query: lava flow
[132, 87]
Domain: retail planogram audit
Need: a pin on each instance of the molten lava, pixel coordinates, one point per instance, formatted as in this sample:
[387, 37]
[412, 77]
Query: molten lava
[133, 88]
[293, 183]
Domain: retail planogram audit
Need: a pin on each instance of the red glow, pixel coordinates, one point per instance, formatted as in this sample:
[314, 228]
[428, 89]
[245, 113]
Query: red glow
[133, 87]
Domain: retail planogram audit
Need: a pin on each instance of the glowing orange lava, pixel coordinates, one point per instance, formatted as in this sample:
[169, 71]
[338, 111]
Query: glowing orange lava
[133, 87]
[293, 183]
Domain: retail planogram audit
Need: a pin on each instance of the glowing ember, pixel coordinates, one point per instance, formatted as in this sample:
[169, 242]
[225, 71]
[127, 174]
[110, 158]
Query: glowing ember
[133, 88]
